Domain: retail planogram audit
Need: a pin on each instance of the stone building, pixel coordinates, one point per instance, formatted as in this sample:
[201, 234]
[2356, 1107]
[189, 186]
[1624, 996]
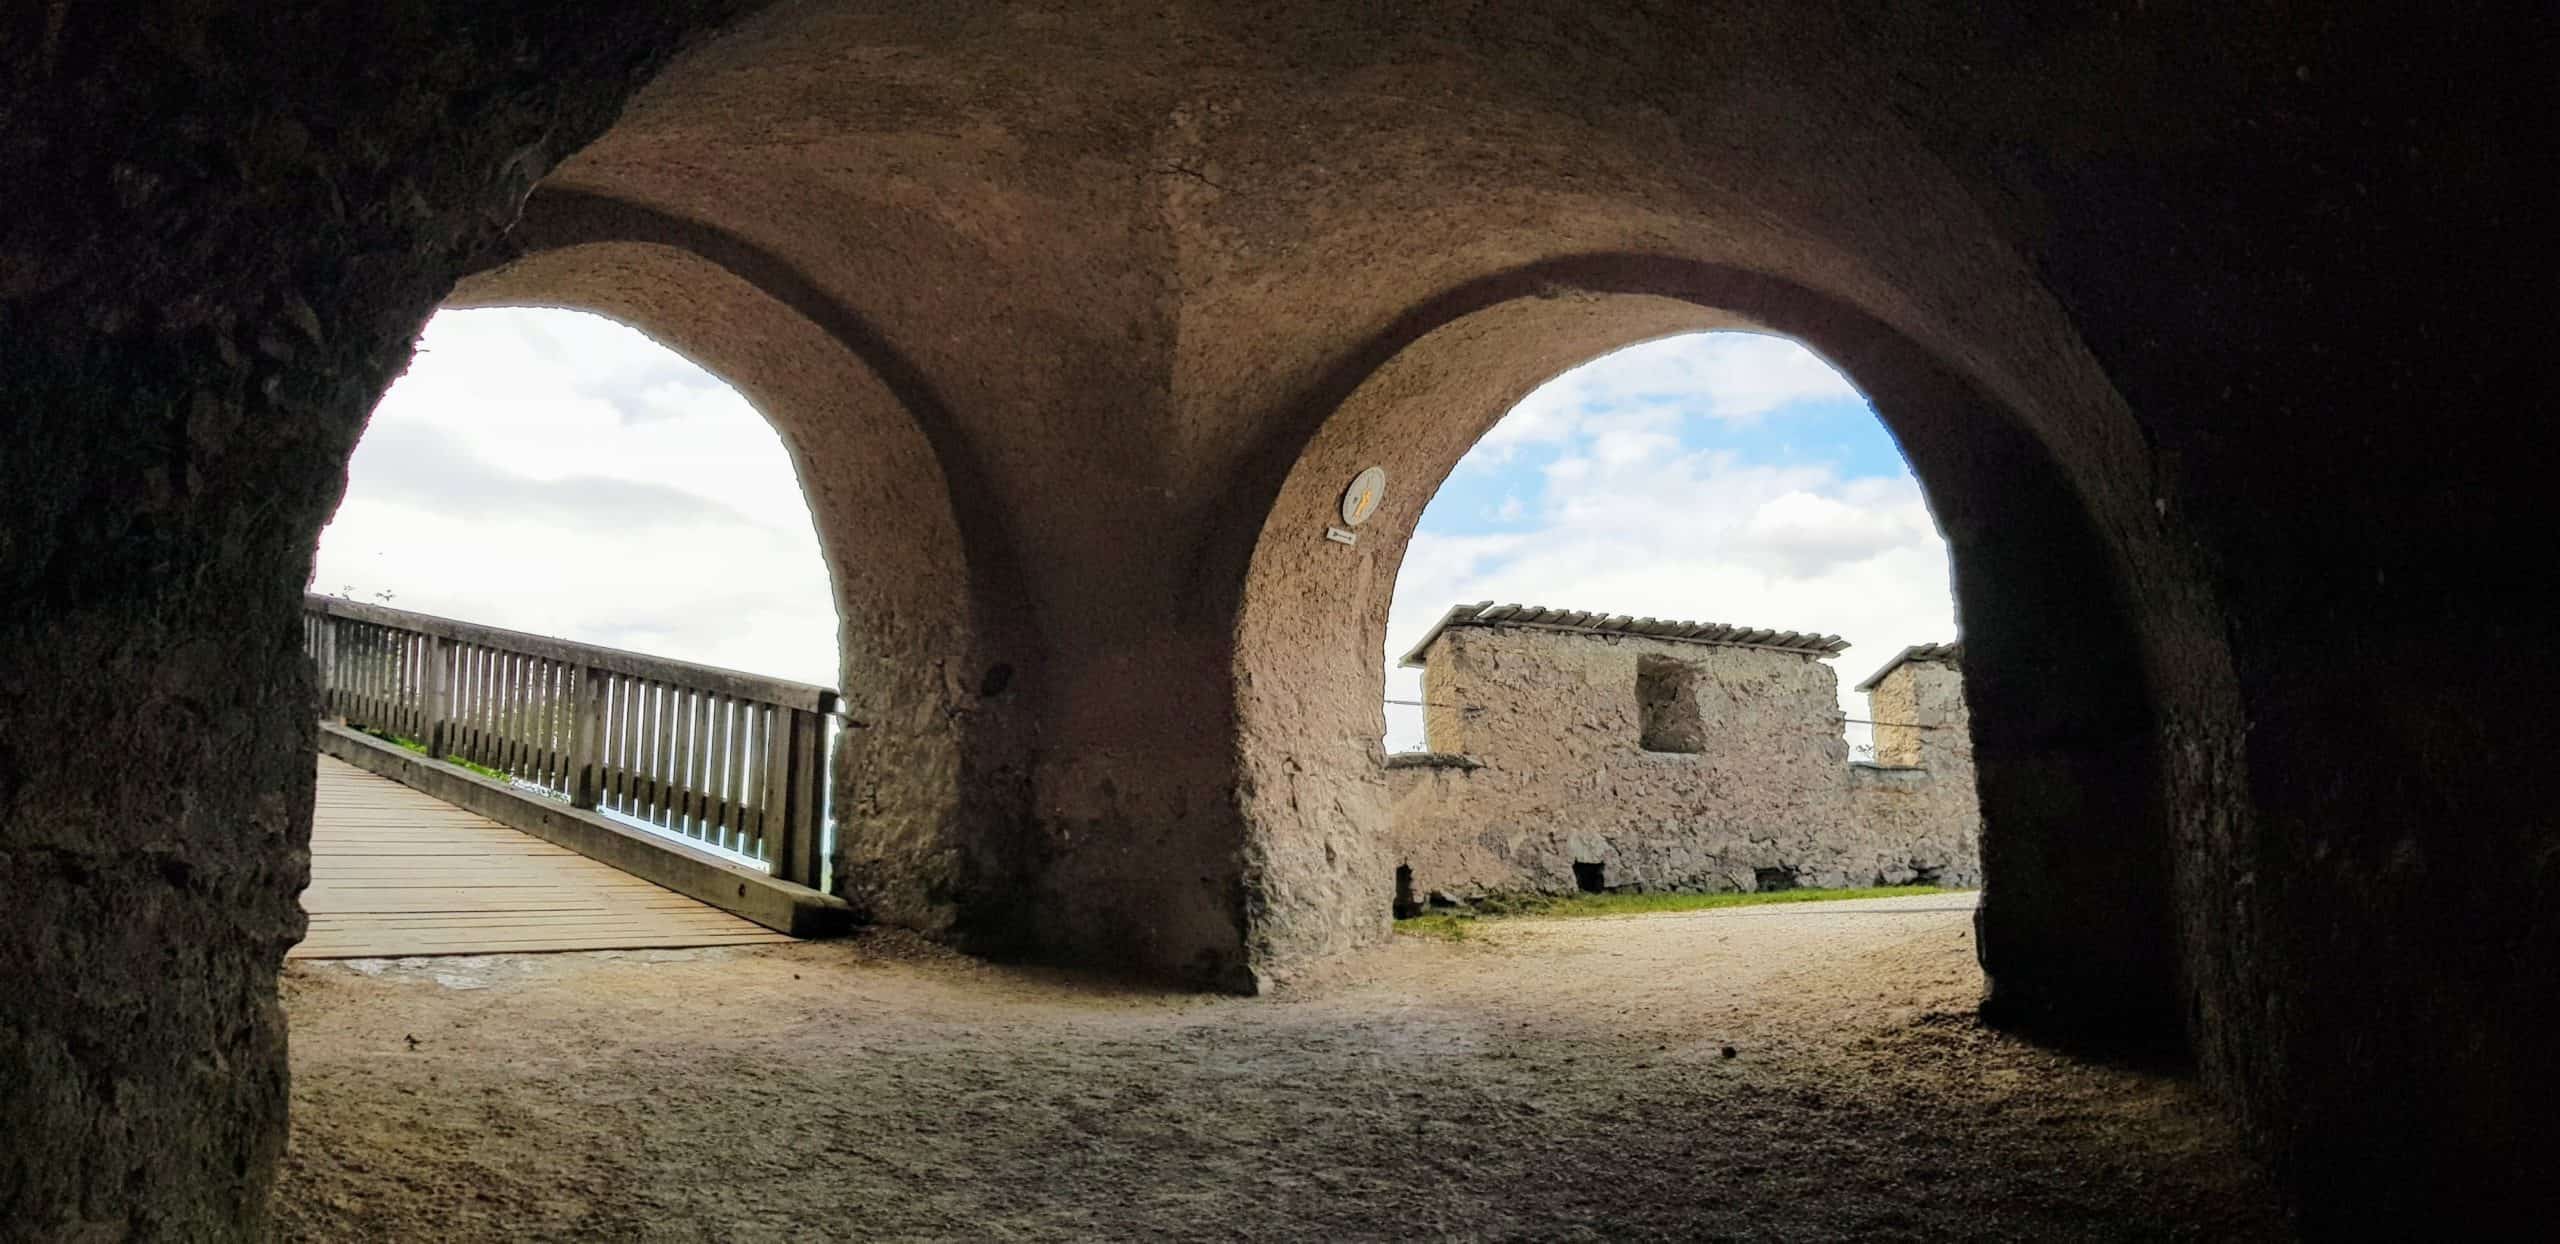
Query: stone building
[1920, 782]
[1579, 751]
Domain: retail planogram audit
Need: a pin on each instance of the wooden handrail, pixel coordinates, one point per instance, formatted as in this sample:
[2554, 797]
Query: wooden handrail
[781, 691]
[725, 758]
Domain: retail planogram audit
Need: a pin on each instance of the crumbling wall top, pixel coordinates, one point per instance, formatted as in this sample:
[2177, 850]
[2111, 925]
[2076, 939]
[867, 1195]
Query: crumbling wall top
[1487, 613]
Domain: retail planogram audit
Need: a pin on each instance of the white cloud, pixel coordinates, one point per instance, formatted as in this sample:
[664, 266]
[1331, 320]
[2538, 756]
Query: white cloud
[555, 472]
[1731, 376]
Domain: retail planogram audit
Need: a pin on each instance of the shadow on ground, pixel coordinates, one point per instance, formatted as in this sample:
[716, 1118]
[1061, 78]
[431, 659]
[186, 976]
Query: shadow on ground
[1546, 1079]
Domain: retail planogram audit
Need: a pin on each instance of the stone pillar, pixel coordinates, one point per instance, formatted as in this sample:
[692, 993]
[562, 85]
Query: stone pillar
[2073, 931]
[1143, 859]
[1920, 719]
[219, 233]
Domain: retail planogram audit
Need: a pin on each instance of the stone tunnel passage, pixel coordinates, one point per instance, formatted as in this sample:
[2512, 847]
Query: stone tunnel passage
[1066, 300]
[1542, 1080]
[2037, 590]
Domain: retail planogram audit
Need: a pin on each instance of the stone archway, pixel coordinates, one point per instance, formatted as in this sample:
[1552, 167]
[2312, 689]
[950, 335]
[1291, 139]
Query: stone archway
[2075, 849]
[929, 762]
[2203, 315]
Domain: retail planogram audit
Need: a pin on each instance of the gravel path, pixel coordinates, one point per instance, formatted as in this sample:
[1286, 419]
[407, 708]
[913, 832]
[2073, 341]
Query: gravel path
[1544, 1079]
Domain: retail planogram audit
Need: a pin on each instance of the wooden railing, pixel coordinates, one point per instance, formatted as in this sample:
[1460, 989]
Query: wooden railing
[733, 760]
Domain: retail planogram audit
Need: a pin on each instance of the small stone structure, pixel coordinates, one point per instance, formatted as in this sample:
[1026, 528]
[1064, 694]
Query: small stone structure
[1579, 751]
[1920, 784]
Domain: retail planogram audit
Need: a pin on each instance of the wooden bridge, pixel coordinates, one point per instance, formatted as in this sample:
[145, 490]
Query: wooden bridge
[486, 791]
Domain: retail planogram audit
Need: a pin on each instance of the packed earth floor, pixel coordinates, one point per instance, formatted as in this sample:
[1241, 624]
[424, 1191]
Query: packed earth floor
[1788, 1072]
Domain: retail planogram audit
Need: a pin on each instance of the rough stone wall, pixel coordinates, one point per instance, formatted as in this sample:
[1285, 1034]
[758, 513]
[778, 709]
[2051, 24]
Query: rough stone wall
[1897, 744]
[220, 230]
[1551, 727]
[1919, 819]
[1922, 782]
[1919, 793]
[1911, 706]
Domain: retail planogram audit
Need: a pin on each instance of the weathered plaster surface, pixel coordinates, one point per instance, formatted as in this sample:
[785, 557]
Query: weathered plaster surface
[1552, 723]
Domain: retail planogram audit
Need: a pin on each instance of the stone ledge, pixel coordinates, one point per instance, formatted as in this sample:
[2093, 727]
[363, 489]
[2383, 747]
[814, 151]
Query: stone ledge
[776, 904]
[1432, 760]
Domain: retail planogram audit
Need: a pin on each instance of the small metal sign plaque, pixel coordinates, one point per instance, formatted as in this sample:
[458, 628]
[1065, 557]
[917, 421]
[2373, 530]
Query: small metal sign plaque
[1339, 536]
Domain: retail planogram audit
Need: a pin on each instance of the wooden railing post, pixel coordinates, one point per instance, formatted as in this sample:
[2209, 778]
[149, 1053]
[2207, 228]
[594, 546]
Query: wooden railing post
[808, 748]
[329, 668]
[586, 739]
[790, 803]
[435, 696]
[774, 794]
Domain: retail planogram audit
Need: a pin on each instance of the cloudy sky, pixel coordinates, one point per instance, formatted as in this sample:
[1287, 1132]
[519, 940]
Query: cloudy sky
[556, 472]
[1716, 477]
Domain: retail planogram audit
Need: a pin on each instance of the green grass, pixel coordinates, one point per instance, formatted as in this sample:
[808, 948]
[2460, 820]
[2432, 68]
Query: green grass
[1453, 925]
[402, 740]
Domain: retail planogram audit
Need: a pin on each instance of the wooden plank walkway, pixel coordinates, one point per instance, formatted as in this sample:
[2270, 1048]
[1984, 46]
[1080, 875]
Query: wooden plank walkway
[395, 873]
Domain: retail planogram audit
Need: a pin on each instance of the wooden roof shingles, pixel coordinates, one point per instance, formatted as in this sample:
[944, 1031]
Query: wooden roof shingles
[1935, 653]
[1585, 622]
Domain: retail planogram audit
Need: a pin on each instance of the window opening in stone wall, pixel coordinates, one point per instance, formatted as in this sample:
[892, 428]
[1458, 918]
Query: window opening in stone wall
[1667, 706]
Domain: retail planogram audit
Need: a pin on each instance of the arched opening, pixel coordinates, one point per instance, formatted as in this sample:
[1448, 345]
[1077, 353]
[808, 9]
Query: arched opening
[2064, 241]
[558, 474]
[923, 742]
[1607, 742]
[1692, 476]
[2066, 781]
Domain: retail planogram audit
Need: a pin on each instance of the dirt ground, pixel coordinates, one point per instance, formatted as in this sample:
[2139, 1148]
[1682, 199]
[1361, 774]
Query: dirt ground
[1544, 1079]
